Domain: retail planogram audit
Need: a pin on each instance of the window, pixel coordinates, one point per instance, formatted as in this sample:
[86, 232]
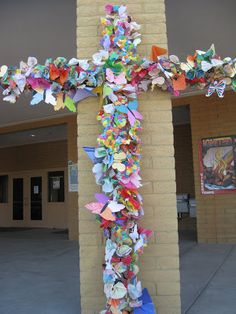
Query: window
[3, 189]
[56, 186]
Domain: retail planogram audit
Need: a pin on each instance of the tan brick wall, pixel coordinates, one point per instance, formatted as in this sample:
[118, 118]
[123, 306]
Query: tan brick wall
[184, 159]
[212, 117]
[160, 263]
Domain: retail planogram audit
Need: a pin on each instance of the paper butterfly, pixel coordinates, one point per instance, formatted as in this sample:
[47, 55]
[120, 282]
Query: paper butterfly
[117, 163]
[119, 80]
[131, 111]
[218, 87]
[28, 67]
[118, 291]
[58, 74]
[3, 70]
[135, 290]
[47, 96]
[105, 207]
[132, 182]
[187, 66]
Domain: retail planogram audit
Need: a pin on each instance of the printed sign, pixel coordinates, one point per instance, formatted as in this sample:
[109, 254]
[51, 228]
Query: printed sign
[36, 189]
[73, 177]
[56, 183]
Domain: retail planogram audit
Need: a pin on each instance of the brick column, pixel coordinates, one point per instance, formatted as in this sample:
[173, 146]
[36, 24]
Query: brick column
[160, 262]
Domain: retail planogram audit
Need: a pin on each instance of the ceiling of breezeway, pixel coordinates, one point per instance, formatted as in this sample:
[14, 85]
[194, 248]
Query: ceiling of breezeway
[33, 136]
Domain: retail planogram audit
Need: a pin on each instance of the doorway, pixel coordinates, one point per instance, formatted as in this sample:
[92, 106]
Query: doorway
[27, 197]
[185, 186]
[35, 199]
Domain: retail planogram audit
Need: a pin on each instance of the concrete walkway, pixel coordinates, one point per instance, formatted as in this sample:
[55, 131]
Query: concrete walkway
[208, 277]
[38, 272]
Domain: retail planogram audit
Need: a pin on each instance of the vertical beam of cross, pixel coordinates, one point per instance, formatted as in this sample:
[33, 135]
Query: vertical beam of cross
[117, 162]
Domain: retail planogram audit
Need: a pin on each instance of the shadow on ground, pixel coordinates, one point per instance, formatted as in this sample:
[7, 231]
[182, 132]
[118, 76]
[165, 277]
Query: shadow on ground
[208, 276]
[39, 272]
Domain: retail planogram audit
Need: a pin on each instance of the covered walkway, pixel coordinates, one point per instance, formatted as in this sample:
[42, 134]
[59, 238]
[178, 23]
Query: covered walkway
[38, 272]
[208, 277]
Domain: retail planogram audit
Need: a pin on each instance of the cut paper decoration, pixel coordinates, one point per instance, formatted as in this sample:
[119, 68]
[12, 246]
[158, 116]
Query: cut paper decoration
[3, 70]
[157, 52]
[118, 74]
[82, 93]
[119, 80]
[218, 87]
[99, 209]
[148, 306]
[109, 252]
[118, 159]
[104, 207]
[131, 111]
[179, 82]
[90, 151]
[135, 290]
[118, 291]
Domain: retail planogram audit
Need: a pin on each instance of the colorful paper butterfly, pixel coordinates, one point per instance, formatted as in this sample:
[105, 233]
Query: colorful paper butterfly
[218, 87]
[117, 163]
[119, 80]
[105, 207]
[131, 111]
[58, 74]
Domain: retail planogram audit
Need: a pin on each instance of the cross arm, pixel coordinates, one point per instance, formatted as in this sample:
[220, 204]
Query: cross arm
[58, 82]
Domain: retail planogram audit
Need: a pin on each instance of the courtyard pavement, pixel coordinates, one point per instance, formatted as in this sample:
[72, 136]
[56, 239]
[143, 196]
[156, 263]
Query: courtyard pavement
[208, 277]
[38, 272]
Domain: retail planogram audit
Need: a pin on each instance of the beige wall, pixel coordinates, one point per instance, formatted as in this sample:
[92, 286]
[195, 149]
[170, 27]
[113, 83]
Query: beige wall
[36, 156]
[212, 117]
[30, 161]
[184, 159]
[160, 263]
[54, 215]
[43, 157]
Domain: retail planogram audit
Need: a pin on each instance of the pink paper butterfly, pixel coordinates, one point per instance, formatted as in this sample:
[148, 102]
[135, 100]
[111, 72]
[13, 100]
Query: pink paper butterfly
[104, 207]
[119, 80]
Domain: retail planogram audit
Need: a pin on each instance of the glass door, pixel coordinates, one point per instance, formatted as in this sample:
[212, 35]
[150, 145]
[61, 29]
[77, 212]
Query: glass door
[36, 198]
[18, 199]
[26, 197]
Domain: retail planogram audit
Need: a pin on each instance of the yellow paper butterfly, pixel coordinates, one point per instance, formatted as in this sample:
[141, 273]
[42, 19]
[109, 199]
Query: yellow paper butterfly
[117, 163]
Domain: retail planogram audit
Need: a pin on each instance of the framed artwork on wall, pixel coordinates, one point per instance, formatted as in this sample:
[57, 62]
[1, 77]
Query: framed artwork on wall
[217, 157]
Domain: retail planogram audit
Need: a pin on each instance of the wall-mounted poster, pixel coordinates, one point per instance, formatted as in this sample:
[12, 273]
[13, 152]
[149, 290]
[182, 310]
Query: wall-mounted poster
[218, 165]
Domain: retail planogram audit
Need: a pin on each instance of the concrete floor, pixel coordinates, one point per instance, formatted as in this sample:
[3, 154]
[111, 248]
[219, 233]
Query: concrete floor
[208, 277]
[38, 272]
